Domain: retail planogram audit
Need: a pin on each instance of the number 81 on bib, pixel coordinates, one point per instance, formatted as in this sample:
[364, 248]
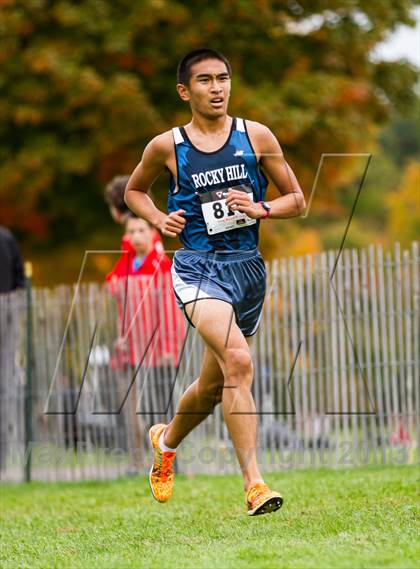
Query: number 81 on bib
[217, 216]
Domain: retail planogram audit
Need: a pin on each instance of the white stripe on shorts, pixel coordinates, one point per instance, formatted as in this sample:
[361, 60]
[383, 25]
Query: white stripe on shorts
[186, 292]
[255, 328]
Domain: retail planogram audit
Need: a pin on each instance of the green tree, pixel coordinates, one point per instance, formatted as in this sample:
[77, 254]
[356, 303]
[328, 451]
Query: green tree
[398, 144]
[400, 139]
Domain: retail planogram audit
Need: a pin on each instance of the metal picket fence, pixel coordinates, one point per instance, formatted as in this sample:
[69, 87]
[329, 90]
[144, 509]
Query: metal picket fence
[336, 372]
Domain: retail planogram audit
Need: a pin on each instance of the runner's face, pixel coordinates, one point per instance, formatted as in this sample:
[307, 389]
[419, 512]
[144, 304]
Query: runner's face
[140, 235]
[208, 91]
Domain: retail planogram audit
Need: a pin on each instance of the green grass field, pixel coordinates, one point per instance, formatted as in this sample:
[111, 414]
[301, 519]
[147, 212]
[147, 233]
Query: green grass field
[365, 517]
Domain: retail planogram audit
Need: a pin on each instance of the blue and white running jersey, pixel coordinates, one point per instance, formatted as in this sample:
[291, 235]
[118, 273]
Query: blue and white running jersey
[198, 190]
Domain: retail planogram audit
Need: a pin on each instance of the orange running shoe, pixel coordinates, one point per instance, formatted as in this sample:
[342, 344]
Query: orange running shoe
[161, 476]
[261, 500]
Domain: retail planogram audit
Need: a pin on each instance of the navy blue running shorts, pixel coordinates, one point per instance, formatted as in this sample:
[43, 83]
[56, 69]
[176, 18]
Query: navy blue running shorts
[237, 277]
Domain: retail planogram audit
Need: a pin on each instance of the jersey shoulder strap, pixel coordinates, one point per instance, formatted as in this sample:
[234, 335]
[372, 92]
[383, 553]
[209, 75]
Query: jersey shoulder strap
[240, 125]
[177, 134]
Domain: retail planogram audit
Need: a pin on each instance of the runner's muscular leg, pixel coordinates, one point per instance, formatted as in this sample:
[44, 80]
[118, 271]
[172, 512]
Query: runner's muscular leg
[197, 402]
[215, 322]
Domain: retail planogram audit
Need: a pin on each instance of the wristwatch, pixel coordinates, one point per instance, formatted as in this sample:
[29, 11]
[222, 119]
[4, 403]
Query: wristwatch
[267, 209]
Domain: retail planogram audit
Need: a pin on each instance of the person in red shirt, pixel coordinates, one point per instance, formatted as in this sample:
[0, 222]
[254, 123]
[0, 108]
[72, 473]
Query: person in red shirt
[151, 331]
[140, 256]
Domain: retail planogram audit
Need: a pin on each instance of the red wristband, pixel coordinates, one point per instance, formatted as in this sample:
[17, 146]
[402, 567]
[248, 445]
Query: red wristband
[267, 211]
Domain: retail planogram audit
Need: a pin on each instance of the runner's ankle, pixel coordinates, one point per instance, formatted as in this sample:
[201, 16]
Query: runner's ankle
[162, 446]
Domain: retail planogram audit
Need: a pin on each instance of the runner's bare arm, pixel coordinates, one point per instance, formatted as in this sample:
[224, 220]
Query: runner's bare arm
[155, 158]
[292, 201]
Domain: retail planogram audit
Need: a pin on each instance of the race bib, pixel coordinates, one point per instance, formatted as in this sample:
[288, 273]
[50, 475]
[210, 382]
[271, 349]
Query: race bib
[216, 213]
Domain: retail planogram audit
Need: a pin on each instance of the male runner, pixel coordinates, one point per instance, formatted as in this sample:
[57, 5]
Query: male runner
[216, 202]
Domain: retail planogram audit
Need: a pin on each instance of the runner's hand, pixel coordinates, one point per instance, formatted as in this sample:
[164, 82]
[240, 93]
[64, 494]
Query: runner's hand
[241, 201]
[173, 224]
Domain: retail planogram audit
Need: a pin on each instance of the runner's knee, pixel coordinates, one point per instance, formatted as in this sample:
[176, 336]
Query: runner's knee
[239, 365]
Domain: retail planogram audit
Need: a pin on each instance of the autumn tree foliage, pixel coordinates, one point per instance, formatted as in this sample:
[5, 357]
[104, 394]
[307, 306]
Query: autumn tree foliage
[404, 206]
[84, 85]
